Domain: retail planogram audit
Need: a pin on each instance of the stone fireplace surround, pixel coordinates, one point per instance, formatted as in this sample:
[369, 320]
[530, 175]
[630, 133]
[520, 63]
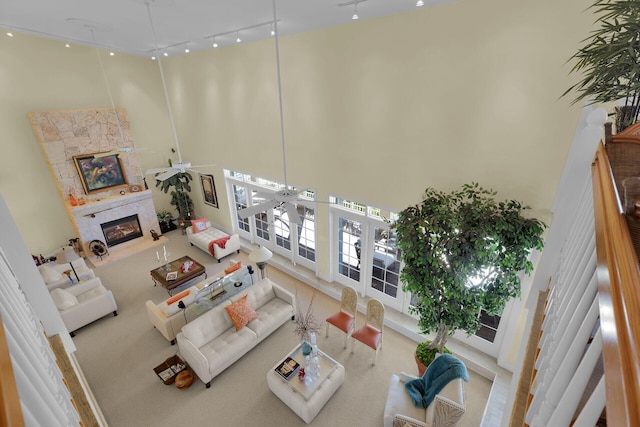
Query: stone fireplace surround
[65, 134]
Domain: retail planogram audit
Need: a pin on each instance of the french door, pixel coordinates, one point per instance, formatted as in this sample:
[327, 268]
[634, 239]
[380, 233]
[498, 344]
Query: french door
[367, 258]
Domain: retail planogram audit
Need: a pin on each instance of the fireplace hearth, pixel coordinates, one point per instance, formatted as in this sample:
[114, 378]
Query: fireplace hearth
[121, 230]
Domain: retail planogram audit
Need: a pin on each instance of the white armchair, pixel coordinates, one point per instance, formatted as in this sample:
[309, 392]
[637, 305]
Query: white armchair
[54, 275]
[446, 409]
[83, 303]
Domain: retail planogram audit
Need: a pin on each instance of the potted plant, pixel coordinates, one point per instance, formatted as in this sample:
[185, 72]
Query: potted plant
[179, 184]
[425, 355]
[463, 252]
[165, 219]
[610, 60]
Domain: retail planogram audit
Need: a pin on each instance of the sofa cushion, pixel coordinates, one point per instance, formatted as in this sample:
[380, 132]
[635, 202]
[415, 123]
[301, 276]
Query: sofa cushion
[270, 316]
[50, 275]
[399, 402]
[241, 312]
[208, 326]
[261, 293]
[63, 299]
[227, 347]
[198, 225]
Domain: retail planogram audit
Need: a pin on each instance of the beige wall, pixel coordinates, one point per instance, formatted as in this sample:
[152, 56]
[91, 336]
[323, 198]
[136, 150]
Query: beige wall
[377, 110]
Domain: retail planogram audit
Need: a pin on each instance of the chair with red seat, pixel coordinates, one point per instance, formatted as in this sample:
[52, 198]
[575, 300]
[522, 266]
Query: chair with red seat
[345, 319]
[370, 333]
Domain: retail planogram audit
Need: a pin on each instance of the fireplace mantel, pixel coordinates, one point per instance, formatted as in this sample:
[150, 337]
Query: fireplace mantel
[90, 216]
[97, 206]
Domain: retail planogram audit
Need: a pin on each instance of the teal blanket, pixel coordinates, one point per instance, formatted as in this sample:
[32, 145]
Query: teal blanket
[440, 372]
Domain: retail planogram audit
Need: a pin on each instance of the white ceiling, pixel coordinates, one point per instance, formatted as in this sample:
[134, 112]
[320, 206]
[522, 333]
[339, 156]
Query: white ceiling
[124, 25]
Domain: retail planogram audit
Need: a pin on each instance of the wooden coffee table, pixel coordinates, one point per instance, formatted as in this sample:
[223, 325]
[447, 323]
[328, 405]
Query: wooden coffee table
[160, 274]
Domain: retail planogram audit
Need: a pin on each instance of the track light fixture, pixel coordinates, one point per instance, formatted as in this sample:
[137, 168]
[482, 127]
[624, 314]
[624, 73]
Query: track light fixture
[419, 3]
[238, 37]
[215, 44]
[355, 3]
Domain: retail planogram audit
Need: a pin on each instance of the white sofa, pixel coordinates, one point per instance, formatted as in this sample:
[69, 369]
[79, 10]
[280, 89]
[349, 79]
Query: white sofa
[54, 275]
[203, 238]
[446, 409]
[211, 343]
[83, 303]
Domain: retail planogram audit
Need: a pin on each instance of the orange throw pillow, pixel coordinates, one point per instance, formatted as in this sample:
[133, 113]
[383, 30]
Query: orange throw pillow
[233, 268]
[178, 297]
[198, 225]
[241, 312]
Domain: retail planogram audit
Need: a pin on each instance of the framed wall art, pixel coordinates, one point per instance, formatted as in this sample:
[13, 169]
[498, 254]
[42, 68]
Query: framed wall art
[209, 190]
[100, 173]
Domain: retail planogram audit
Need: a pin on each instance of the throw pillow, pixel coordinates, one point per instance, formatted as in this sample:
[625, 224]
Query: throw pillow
[233, 268]
[198, 225]
[50, 274]
[178, 296]
[241, 312]
[63, 299]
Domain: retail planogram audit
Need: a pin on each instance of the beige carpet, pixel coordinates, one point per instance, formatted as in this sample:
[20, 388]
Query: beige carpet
[118, 354]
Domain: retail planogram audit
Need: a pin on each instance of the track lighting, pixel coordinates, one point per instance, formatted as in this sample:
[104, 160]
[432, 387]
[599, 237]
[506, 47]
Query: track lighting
[186, 50]
[112, 54]
[215, 44]
[355, 11]
[273, 32]
[67, 45]
[238, 37]
[9, 33]
[166, 54]
[419, 3]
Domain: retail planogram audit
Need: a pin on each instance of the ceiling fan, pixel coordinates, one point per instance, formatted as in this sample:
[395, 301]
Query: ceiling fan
[164, 173]
[288, 197]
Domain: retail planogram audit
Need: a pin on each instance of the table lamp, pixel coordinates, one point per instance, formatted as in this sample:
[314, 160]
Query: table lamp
[260, 256]
[66, 254]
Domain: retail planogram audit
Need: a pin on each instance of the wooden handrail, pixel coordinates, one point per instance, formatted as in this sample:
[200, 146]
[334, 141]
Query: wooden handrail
[10, 412]
[619, 297]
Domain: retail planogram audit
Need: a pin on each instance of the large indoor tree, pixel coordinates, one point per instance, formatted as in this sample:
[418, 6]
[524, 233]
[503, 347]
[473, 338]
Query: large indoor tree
[463, 252]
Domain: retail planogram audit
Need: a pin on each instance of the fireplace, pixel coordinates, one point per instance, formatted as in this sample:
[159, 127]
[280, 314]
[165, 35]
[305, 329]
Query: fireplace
[121, 230]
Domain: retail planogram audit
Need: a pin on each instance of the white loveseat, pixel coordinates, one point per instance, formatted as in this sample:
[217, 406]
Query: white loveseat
[446, 409]
[167, 316]
[211, 343]
[83, 303]
[202, 239]
[54, 275]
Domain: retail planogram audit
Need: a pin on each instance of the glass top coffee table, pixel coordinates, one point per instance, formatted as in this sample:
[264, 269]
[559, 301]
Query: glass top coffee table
[219, 290]
[302, 395]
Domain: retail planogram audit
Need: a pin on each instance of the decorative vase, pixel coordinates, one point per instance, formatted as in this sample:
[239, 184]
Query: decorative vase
[306, 348]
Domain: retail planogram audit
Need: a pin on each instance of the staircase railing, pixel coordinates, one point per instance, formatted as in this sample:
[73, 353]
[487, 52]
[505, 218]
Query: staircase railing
[618, 280]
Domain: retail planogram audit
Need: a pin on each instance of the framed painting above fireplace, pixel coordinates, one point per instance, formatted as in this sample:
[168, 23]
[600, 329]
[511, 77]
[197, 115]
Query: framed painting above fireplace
[100, 173]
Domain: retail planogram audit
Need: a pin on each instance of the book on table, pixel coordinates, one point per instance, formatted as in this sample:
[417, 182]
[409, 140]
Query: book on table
[288, 368]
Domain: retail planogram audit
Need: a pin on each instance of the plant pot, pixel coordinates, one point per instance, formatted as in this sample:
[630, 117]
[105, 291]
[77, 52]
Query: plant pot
[421, 368]
[167, 226]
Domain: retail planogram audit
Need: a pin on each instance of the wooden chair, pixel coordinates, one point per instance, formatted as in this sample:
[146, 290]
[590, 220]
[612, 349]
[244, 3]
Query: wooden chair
[345, 319]
[370, 333]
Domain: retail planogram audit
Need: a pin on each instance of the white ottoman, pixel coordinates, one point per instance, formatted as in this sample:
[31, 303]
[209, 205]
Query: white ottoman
[307, 407]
